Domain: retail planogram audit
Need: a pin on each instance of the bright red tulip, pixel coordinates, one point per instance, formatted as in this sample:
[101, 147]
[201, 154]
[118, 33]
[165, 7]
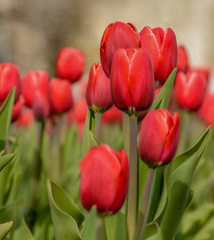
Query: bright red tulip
[104, 179]
[158, 138]
[206, 110]
[60, 95]
[190, 90]
[98, 94]
[132, 79]
[183, 60]
[70, 64]
[9, 78]
[117, 35]
[35, 81]
[162, 47]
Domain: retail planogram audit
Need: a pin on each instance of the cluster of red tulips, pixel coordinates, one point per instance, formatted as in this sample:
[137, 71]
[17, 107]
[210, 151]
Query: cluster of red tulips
[139, 187]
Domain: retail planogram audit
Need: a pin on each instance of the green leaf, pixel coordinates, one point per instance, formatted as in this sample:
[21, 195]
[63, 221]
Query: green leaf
[89, 125]
[23, 232]
[163, 98]
[89, 226]
[5, 228]
[4, 160]
[65, 215]
[5, 118]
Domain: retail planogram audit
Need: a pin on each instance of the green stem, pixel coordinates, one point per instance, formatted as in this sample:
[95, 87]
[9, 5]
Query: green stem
[98, 121]
[144, 204]
[132, 192]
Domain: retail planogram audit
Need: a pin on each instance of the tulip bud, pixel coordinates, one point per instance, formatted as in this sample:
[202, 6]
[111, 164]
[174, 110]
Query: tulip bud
[133, 83]
[104, 179]
[162, 47]
[9, 78]
[190, 90]
[117, 35]
[35, 81]
[98, 94]
[183, 61]
[60, 95]
[158, 138]
[206, 110]
[70, 64]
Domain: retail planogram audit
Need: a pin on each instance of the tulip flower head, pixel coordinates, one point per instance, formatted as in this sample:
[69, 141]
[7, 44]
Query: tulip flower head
[104, 179]
[190, 90]
[158, 137]
[9, 78]
[98, 94]
[70, 64]
[117, 35]
[183, 60]
[132, 79]
[162, 47]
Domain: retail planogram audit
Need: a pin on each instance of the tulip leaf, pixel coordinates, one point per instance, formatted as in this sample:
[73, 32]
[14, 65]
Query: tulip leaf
[179, 193]
[165, 93]
[66, 216]
[5, 228]
[89, 125]
[5, 118]
[4, 160]
[89, 226]
[23, 232]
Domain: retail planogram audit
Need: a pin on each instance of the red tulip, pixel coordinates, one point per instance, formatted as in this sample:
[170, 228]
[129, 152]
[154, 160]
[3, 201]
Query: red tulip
[25, 118]
[60, 95]
[133, 84]
[104, 179]
[17, 108]
[158, 139]
[9, 78]
[70, 64]
[183, 60]
[113, 115]
[41, 106]
[162, 47]
[190, 90]
[35, 81]
[206, 110]
[98, 94]
[205, 71]
[117, 35]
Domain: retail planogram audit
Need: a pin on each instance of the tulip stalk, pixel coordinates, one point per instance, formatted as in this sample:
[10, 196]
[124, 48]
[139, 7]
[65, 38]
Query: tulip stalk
[132, 191]
[98, 121]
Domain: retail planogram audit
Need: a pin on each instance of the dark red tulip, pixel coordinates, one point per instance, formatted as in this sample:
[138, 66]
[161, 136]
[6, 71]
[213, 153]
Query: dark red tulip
[206, 110]
[41, 106]
[60, 95]
[104, 179]
[190, 90]
[98, 94]
[9, 78]
[132, 79]
[158, 138]
[162, 47]
[117, 35]
[35, 81]
[70, 64]
[183, 59]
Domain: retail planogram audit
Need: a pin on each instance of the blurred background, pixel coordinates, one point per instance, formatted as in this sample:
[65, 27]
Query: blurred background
[32, 31]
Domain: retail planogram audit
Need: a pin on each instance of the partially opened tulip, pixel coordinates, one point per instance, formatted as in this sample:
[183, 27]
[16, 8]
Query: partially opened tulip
[158, 137]
[60, 95]
[117, 35]
[190, 90]
[104, 179]
[162, 47]
[133, 85]
[98, 94]
[9, 78]
[70, 64]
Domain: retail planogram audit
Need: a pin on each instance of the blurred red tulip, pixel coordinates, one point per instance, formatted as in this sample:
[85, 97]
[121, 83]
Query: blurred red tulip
[158, 137]
[70, 64]
[162, 47]
[104, 179]
[132, 79]
[17, 108]
[117, 35]
[183, 60]
[25, 118]
[113, 115]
